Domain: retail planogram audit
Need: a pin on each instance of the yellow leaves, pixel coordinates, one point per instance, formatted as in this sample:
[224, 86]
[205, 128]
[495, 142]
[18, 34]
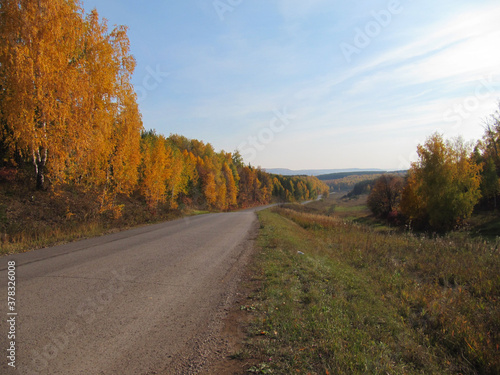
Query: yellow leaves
[65, 78]
[126, 157]
[443, 186]
[157, 170]
[221, 194]
[231, 189]
[210, 189]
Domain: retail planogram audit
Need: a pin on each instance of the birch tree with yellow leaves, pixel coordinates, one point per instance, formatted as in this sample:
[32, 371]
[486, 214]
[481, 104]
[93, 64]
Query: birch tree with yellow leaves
[39, 79]
[156, 171]
[66, 99]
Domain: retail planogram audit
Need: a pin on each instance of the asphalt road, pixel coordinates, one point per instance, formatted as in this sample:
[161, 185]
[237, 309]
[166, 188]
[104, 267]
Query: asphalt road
[145, 301]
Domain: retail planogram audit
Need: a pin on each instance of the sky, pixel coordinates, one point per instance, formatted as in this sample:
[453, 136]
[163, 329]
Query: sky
[314, 84]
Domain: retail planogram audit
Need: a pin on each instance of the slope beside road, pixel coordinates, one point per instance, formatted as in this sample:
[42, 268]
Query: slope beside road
[145, 301]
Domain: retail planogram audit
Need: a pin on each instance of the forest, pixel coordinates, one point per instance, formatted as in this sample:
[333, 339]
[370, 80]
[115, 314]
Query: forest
[350, 182]
[69, 118]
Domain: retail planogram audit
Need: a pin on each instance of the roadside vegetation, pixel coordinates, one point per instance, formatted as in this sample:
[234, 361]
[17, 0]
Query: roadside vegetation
[31, 219]
[339, 296]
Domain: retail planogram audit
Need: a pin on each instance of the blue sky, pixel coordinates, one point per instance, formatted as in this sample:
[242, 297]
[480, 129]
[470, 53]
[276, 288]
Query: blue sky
[314, 84]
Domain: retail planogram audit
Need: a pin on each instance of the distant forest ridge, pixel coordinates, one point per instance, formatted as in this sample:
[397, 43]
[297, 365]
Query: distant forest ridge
[340, 175]
[319, 172]
[360, 182]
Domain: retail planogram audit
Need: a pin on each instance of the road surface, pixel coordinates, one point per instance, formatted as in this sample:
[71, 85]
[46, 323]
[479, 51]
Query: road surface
[145, 301]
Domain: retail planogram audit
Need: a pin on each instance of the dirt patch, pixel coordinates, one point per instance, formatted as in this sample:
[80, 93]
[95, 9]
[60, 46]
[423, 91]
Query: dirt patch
[236, 326]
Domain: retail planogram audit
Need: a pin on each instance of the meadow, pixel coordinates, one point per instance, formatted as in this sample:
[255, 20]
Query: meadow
[337, 293]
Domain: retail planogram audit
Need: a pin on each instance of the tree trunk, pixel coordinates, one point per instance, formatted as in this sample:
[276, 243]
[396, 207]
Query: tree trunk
[39, 161]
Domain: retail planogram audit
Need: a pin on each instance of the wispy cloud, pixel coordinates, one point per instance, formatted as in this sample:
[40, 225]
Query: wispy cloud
[228, 77]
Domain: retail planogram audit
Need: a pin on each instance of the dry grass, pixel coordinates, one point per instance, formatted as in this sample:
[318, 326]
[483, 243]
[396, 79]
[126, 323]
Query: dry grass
[363, 301]
[33, 219]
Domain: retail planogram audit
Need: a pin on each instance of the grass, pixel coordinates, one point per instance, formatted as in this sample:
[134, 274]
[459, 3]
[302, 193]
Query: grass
[197, 212]
[364, 301]
[486, 225]
[358, 208]
[348, 209]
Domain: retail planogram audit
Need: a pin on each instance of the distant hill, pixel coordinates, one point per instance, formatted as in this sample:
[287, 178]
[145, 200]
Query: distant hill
[361, 180]
[319, 172]
[340, 175]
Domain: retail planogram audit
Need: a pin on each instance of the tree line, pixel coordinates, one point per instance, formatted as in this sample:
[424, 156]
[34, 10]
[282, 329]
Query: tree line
[68, 109]
[448, 182]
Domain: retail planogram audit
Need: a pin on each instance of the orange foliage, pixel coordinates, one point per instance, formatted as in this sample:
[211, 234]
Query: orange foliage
[67, 102]
[156, 161]
[67, 106]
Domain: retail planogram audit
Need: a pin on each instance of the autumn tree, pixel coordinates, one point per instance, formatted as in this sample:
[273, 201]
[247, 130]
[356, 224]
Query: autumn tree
[221, 203]
[443, 186]
[190, 176]
[125, 155]
[492, 138]
[278, 189]
[413, 205]
[385, 195]
[66, 99]
[490, 182]
[246, 186]
[231, 189]
[487, 154]
[38, 45]
[206, 171]
[289, 189]
[210, 190]
[301, 192]
[156, 169]
[109, 122]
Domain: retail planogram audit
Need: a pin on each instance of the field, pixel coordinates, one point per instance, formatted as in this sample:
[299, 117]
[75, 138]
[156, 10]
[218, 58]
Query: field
[336, 294]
